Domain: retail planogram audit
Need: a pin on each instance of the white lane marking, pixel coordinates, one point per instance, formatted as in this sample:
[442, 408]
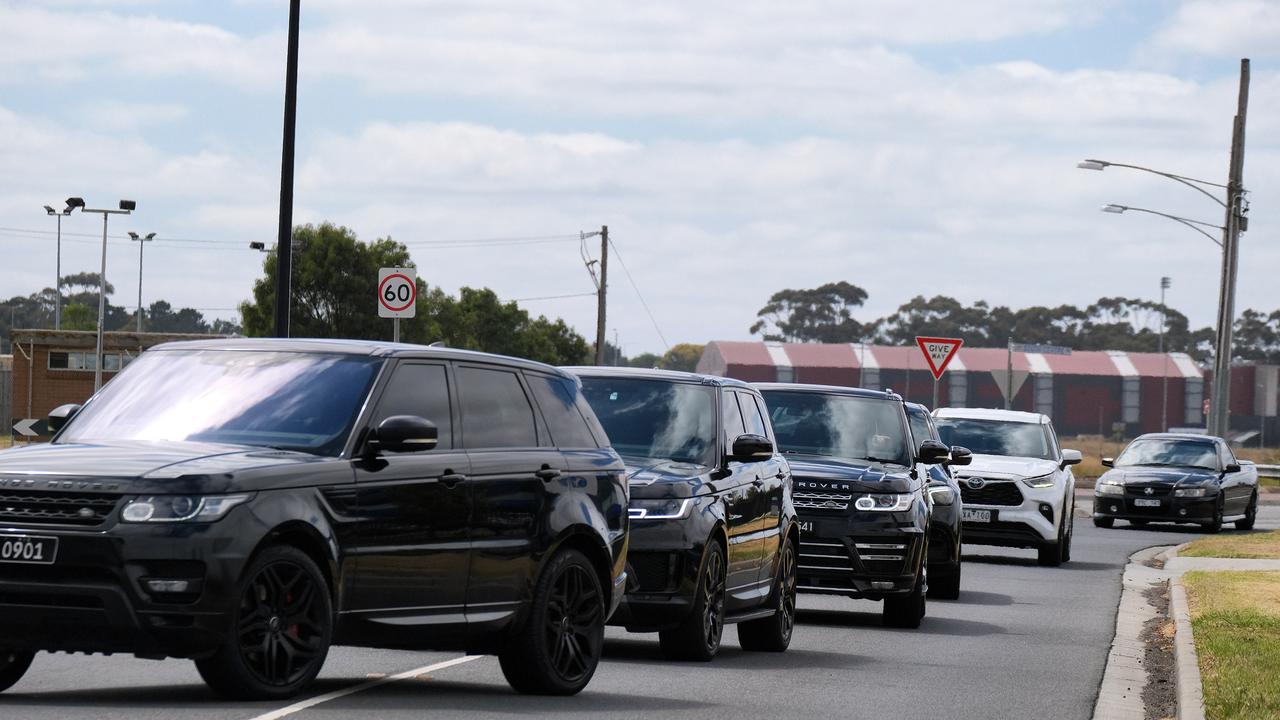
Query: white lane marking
[312, 702]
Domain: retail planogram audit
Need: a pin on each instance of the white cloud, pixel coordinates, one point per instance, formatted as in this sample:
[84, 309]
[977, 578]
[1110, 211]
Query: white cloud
[1222, 28]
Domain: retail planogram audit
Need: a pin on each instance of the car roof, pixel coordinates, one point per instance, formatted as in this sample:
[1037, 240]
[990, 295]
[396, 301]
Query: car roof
[1017, 416]
[829, 390]
[917, 407]
[1179, 436]
[368, 348]
[654, 374]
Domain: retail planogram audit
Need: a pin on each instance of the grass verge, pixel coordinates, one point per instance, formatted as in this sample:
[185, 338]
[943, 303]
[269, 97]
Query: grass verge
[1256, 545]
[1235, 617]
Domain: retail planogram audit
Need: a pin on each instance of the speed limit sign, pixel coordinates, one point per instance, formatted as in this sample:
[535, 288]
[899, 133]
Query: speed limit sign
[397, 292]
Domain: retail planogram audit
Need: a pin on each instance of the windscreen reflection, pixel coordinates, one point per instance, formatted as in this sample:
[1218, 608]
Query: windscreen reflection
[1180, 453]
[296, 401]
[842, 426]
[655, 418]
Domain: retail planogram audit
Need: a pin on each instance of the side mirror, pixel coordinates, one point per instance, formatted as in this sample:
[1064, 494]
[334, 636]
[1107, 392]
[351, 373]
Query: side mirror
[1071, 457]
[1232, 468]
[403, 433]
[61, 415]
[933, 452]
[960, 456]
[751, 448]
[1108, 462]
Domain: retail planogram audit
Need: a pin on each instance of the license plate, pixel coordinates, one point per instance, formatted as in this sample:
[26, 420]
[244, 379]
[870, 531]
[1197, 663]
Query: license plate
[1144, 502]
[30, 549]
[969, 515]
[806, 526]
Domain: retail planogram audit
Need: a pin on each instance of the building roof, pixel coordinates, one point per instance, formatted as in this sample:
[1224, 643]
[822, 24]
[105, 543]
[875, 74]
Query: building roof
[722, 356]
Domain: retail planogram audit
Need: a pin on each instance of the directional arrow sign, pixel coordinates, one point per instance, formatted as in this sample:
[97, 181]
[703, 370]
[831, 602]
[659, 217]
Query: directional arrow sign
[30, 427]
[938, 352]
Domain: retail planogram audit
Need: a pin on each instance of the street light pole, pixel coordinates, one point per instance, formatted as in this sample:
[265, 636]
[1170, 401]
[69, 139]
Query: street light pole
[141, 240]
[284, 246]
[1165, 282]
[57, 281]
[126, 207]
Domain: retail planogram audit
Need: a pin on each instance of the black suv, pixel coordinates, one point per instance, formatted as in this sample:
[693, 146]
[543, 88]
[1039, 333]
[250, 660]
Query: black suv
[946, 526]
[713, 533]
[860, 492]
[249, 503]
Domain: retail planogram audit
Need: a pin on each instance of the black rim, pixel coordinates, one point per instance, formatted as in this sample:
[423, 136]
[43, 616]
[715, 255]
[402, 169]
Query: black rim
[282, 624]
[713, 600]
[787, 590]
[573, 624]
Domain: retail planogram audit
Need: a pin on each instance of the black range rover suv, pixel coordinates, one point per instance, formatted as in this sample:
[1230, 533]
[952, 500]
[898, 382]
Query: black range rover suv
[249, 503]
[713, 533]
[946, 529]
[860, 492]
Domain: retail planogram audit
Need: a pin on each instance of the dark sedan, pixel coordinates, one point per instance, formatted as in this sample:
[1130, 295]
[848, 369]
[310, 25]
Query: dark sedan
[1177, 478]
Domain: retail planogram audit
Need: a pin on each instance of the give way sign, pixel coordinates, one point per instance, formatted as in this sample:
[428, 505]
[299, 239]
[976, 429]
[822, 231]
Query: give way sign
[938, 352]
[397, 292]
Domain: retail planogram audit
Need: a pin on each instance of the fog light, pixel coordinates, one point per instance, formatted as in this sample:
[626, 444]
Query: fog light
[1183, 511]
[881, 585]
[168, 586]
[1115, 509]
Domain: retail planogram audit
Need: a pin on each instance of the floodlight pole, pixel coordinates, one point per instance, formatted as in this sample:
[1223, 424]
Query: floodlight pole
[102, 287]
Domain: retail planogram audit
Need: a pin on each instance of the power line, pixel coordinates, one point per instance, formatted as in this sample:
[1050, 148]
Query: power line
[640, 295]
[555, 297]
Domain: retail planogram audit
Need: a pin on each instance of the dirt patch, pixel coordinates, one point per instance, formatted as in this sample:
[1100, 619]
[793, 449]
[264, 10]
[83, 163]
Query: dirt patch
[1160, 696]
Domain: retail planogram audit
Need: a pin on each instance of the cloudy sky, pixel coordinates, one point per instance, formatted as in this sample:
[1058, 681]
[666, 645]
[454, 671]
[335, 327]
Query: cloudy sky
[734, 147]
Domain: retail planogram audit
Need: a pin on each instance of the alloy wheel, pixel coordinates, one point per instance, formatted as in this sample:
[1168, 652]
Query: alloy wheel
[787, 589]
[572, 624]
[713, 600]
[281, 626]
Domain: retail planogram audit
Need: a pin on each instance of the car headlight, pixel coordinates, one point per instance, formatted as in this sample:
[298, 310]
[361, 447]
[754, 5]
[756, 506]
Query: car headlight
[1190, 492]
[1110, 488]
[180, 508]
[665, 509]
[942, 495]
[1039, 482]
[885, 502]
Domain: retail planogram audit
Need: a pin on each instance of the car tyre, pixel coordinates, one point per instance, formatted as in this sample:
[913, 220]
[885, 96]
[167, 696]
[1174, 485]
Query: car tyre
[1215, 525]
[1071, 533]
[1104, 522]
[1055, 553]
[907, 612]
[698, 636]
[13, 665]
[557, 649]
[280, 630]
[1250, 514]
[773, 634]
[946, 585]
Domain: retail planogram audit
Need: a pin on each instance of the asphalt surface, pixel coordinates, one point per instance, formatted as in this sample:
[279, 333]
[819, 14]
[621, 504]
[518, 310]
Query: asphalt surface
[1022, 641]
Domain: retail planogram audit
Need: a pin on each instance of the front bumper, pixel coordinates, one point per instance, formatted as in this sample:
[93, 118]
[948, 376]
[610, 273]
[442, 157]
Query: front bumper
[662, 571]
[1033, 522]
[94, 597]
[872, 555]
[1169, 509]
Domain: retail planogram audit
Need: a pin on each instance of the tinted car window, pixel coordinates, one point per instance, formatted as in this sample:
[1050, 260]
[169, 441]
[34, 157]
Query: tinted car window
[655, 418]
[764, 413]
[422, 390]
[998, 437]
[839, 426]
[292, 400]
[1175, 453]
[495, 411]
[733, 422]
[556, 397]
[751, 416]
[919, 427]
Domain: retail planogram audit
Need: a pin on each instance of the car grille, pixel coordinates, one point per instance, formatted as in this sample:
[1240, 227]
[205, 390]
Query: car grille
[40, 508]
[1141, 490]
[992, 493]
[820, 501]
[830, 556]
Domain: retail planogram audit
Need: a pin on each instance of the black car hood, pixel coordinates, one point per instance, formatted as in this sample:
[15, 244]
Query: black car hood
[148, 466]
[852, 475]
[1146, 475]
[657, 478]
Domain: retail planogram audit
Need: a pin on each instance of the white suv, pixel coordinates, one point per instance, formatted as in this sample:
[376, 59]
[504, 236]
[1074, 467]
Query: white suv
[1019, 490]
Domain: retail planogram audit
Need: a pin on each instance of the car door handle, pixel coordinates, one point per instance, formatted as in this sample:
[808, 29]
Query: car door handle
[451, 479]
[547, 473]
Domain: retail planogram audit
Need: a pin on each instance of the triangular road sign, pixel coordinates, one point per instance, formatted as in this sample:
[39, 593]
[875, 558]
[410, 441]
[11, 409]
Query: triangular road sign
[938, 352]
[1008, 388]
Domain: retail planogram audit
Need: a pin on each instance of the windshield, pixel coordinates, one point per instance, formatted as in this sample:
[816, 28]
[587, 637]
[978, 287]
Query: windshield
[655, 418]
[842, 426]
[295, 401]
[997, 437]
[1181, 453]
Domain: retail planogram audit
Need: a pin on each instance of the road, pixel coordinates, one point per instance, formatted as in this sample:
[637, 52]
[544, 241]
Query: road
[1022, 641]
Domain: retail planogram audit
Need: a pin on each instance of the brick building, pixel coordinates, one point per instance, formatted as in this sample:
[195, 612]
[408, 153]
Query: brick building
[56, 367]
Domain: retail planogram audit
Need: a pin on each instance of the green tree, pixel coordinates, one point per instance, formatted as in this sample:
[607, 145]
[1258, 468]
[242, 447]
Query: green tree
[683, 356]
[78, 316]
[821, 314]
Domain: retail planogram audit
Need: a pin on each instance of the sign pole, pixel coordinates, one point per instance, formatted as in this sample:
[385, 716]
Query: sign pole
[935, 393]
[395, 334]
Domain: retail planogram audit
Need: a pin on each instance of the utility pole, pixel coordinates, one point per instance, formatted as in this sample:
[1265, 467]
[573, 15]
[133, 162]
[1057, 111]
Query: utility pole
[602, 287]
[1220, 400]
[284, 244]
[1164, 358]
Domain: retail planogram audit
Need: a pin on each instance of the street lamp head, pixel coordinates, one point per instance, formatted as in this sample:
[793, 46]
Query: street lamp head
[1092, 165]
[50, 210]
[133, 235]
[1165, 283]
[259, 246]
[128, 205]
[74, 202]
[1113, 208]
[150, 236]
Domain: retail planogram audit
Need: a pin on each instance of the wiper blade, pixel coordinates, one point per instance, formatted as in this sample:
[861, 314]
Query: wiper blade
[885, 461]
